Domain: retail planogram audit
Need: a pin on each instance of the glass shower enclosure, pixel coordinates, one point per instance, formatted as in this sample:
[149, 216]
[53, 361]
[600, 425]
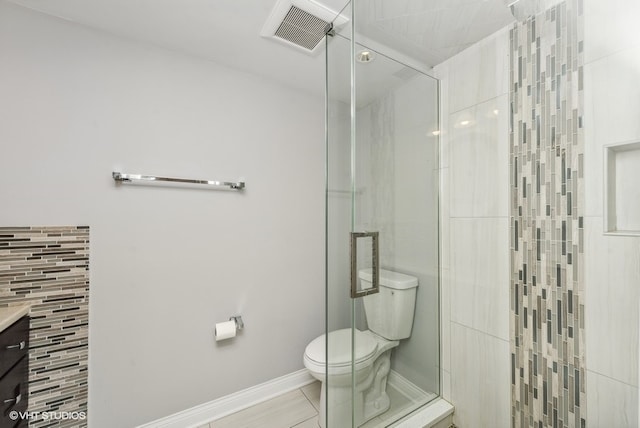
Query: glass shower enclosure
[382, 264]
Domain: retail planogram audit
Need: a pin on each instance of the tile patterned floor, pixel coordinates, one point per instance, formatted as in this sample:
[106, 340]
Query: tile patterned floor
[299, 409]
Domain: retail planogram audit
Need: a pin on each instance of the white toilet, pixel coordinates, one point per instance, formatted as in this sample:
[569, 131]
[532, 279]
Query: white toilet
[389, 316]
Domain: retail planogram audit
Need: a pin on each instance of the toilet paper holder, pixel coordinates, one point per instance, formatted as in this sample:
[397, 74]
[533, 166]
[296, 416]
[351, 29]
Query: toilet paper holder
[238, 320]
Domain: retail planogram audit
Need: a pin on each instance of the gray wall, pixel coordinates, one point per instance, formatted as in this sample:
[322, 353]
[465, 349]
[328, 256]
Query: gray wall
[167, 264]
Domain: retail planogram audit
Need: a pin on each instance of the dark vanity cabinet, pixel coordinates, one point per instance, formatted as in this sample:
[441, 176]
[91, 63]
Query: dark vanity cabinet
[14, 373]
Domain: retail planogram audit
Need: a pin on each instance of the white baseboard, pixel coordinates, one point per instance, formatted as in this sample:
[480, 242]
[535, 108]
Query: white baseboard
[216, 409]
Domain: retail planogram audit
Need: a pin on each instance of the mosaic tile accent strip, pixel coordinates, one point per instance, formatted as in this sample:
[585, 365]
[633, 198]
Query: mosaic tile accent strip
[547, 209]
[48, 267]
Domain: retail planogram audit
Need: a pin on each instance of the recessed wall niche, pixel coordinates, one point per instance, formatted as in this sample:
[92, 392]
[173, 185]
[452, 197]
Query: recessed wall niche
[622, 189]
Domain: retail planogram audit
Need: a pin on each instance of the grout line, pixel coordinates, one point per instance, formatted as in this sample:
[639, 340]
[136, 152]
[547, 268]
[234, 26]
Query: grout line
[613, 379]
[308, 399]
[610, 54]
[480, 331]
[300, 423]
[484, 101]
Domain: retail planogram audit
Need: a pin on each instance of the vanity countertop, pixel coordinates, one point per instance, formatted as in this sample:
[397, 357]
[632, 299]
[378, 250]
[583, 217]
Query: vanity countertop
[12, 314]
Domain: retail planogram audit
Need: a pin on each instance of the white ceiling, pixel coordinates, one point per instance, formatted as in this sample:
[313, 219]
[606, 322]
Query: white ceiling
[228, 31]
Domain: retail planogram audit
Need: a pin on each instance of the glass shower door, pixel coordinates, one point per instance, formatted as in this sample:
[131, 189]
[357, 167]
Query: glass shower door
[381, 221]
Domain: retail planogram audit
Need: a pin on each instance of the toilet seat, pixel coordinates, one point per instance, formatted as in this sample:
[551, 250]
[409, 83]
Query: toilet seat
[340, 351]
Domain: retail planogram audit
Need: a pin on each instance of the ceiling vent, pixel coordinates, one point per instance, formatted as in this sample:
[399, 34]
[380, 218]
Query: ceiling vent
[302, 28]
[301, 24]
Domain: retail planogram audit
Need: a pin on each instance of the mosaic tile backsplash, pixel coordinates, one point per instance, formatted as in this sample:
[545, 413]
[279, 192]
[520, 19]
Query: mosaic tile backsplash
[547, 212]
[48, 267]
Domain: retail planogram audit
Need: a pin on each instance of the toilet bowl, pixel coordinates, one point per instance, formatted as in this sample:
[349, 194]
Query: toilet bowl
[389, 315]
[372, 364]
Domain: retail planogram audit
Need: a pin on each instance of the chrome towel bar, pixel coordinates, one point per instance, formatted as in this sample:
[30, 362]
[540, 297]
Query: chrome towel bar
[131, 178]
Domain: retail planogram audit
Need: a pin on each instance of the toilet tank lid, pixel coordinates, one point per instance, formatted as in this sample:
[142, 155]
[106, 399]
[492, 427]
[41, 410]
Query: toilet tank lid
[395, 280]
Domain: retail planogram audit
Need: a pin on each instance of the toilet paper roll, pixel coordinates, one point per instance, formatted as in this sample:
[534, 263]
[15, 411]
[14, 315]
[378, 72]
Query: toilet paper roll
[225, 330]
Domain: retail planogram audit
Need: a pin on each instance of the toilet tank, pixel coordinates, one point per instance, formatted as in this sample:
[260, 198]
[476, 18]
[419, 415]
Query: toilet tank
[390, 312]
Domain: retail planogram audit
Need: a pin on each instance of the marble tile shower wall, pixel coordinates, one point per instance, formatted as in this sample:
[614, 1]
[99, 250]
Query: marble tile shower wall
[394, 149]
[547, 219]
[474, 226]
[48, 267]
[612, 263]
